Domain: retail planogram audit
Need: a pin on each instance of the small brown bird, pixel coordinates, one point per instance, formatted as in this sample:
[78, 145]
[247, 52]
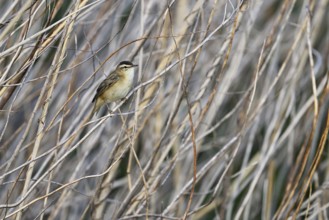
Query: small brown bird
[116, 86]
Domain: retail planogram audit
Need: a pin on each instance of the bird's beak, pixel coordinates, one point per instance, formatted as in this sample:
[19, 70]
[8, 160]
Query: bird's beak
[134, 65]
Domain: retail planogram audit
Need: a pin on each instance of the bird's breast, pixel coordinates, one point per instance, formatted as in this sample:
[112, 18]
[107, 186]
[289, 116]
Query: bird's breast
[120, 89]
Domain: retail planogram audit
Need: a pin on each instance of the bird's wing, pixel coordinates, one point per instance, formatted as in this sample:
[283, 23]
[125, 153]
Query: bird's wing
[108, 82]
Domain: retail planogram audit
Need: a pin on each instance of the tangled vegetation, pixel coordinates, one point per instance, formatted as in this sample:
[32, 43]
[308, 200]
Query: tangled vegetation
[228, 117]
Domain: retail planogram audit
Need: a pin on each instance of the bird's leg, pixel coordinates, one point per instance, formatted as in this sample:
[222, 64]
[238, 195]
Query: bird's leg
[109, 109]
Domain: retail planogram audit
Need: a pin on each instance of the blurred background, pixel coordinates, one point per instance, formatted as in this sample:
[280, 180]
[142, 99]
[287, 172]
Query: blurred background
[228, 117]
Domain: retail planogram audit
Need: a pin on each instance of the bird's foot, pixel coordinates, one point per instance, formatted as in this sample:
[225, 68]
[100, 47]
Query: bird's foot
[124, 99]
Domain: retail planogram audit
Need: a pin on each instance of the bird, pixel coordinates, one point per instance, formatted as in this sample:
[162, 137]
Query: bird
[116, 85]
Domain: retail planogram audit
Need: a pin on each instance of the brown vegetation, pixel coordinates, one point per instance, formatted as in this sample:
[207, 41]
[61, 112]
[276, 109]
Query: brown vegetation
[228, 118]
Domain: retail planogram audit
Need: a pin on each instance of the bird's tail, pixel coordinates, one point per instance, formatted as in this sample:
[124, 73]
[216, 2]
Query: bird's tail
[98, 104]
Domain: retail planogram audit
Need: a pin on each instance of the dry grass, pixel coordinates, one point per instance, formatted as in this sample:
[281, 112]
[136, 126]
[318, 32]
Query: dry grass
[228, 119]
